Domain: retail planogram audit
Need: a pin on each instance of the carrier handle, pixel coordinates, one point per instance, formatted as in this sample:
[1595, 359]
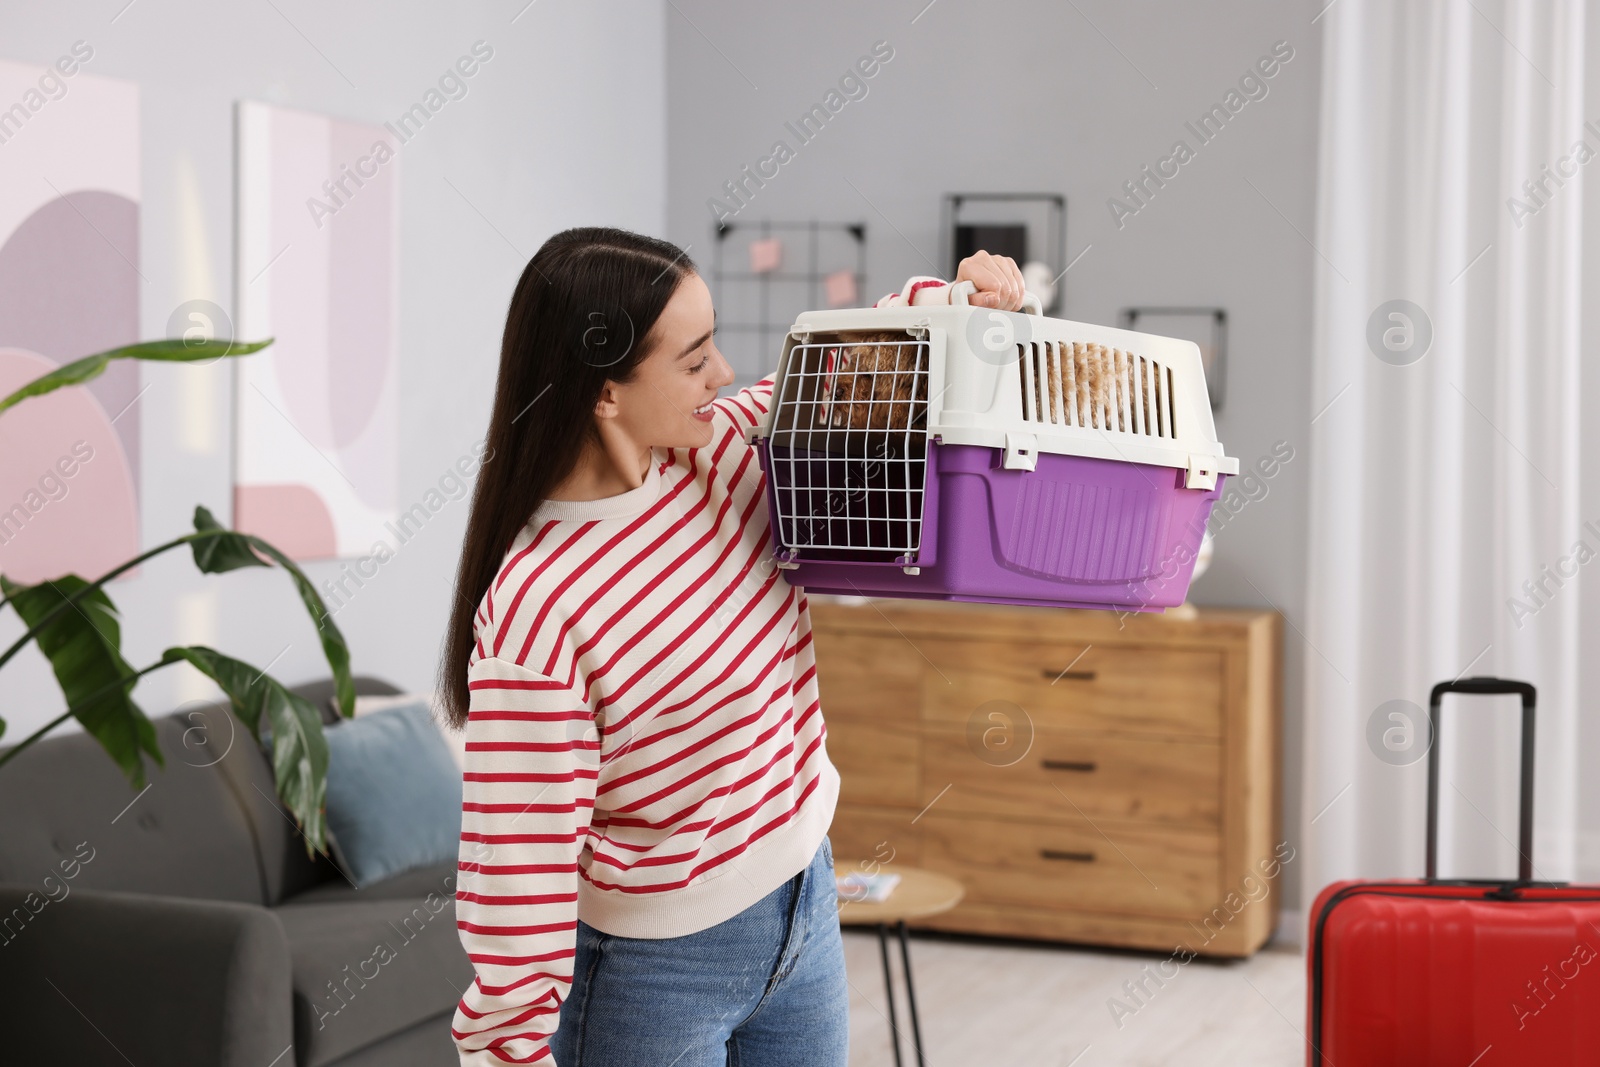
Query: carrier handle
[960, 290]
[1484, 685]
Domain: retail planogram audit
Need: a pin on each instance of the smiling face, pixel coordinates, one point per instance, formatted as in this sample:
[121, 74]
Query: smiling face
[679, 377]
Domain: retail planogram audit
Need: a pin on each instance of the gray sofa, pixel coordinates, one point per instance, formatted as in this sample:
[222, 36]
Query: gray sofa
[185, 925]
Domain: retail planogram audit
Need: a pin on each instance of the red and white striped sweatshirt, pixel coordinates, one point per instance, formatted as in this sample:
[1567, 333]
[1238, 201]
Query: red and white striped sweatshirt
[644, 745]
[920, 289]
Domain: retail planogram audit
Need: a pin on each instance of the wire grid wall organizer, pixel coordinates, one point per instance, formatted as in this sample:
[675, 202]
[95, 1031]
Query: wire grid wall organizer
[962, 453]
[760, 305]
[851, 427]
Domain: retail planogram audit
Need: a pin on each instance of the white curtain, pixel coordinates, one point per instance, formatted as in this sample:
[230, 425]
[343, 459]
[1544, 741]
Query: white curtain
[1443, 481]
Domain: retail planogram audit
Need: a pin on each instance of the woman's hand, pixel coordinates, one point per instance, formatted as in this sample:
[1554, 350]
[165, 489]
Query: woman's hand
[998, 280]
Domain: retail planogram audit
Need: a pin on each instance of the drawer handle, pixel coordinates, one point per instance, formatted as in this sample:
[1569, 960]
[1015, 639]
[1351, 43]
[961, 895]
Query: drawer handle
[1077, 676]
[1074, 857]
[1068, 765]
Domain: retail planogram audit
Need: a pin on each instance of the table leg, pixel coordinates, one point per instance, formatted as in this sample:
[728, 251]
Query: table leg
[911, 993]
[888, 991]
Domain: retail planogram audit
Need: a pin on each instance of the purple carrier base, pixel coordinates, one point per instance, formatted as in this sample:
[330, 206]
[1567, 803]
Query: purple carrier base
[1075, 532]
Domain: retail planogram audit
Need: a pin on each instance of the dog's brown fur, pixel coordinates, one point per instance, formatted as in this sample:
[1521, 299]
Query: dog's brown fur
[873, 386]
[877, 386]
[1093, 377]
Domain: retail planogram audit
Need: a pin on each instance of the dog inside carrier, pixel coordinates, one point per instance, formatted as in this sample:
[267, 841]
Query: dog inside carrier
[853, 444]
[961, 453]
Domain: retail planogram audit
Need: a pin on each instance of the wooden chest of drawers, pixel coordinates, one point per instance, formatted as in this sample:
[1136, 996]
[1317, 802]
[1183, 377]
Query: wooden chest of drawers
[1088, 777]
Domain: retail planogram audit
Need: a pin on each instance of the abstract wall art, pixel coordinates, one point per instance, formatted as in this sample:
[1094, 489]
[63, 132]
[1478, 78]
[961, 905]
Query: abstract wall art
[69, 287]
[316, 431]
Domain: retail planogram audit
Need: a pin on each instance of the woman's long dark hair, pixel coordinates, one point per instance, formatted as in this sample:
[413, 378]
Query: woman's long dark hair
[580, 315]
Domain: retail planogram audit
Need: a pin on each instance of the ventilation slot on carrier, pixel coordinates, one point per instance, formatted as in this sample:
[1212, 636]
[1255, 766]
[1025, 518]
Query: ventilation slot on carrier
[1071, 383]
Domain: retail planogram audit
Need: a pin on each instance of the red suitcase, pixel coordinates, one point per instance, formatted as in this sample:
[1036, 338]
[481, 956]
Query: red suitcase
[1464, 973]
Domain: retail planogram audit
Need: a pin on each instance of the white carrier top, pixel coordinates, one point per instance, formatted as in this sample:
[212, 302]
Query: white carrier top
[1017, 381]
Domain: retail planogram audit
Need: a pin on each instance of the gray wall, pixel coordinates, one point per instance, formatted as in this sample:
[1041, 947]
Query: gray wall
[564, 126]
[1070, 98]
[1588, 817]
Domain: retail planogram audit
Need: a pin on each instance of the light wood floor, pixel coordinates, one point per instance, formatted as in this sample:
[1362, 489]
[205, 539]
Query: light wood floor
[1012, 1004]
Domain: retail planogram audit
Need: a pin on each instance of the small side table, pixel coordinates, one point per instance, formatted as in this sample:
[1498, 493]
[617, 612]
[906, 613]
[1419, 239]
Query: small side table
[918, 894]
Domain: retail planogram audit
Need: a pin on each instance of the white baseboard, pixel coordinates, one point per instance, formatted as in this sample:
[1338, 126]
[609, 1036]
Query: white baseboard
[1291, 928]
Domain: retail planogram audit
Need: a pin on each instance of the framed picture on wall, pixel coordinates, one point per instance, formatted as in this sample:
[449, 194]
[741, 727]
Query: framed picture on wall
[1030, 228]
[1206, 327]
[71, 484]
[316, 427]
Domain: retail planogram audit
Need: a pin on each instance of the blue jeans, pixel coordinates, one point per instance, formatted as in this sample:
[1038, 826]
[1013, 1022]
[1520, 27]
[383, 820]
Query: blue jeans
[765, 988]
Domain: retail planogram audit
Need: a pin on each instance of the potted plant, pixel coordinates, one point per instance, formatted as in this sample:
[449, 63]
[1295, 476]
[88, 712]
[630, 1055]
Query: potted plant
[76, 626]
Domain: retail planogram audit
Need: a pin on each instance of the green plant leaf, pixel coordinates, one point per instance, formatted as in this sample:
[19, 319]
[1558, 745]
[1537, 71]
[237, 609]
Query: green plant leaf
[173, 350]
[231, 550]
[226, 551]
[84, 647]
[299, 749]
[333, 643]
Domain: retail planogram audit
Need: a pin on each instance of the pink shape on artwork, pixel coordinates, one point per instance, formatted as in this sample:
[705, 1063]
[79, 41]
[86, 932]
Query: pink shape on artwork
[840, 287]
[292, 518]
[766, 255]
[68, 289]
[67, 500]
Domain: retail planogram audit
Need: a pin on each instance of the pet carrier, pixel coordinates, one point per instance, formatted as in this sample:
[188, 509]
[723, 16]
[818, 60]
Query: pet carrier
[962, 453]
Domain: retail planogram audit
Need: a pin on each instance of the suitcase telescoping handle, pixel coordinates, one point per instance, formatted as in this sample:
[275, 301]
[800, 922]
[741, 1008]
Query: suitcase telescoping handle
[1525, 828]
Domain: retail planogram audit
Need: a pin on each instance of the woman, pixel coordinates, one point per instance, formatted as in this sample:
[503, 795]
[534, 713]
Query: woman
[644, 856]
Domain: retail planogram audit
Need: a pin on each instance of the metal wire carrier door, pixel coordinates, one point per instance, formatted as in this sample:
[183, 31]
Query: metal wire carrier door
[849, 448]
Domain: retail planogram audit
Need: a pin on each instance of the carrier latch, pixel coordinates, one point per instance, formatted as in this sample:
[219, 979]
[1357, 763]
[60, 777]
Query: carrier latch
[1202, 472]
[1020, 451]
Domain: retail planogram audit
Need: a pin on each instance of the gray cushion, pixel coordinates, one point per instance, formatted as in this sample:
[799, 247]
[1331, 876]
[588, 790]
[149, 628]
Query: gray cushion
[408, 885]
[427, 1044]
[184, 836]
[188, 835]
[368, 964]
